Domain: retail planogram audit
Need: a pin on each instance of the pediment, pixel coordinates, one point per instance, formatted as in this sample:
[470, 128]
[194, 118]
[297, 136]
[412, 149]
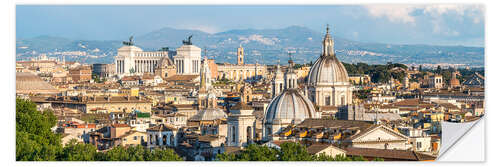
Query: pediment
[380, 133]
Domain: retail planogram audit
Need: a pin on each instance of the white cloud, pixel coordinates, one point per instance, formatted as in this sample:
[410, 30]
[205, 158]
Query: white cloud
[433, 13]
[403, 13]
[395, 13]
[204, 28]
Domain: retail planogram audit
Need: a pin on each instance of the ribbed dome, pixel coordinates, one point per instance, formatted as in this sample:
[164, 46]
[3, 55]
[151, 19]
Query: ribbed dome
[289, 107]
[328, 70]
[209, 114]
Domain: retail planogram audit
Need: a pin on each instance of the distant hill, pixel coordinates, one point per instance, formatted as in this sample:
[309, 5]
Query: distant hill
[264, 45]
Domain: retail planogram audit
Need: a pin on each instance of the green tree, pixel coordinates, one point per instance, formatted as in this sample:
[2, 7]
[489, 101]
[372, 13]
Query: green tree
[359, 158]
[291, 151]
[253, 152]
[162, 155]
[117, 153]
[438, 70]
[75, 151]
[34, 139]
[136, 153]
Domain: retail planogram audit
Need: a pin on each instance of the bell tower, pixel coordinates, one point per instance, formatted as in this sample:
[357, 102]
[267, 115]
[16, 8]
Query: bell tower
[241, 55]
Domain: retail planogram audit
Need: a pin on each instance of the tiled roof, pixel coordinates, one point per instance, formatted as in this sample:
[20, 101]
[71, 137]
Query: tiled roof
[182, 78]
[130, 78]
[330, 123]
[241, 106]
[161, 127]
[119, 125]
[389, 154]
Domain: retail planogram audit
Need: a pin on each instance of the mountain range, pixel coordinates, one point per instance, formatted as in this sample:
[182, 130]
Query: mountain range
[266, 46]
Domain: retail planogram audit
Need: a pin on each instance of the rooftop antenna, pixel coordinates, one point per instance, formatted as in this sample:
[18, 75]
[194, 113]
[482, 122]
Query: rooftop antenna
[205, 50]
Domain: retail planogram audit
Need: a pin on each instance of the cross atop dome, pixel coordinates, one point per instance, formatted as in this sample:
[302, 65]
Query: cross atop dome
[328, 43]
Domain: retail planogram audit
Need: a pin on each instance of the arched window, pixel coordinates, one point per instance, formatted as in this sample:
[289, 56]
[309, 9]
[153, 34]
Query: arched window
[269, 131]
[172, 141]
[233, 130]
[164, 140]
[249, 134]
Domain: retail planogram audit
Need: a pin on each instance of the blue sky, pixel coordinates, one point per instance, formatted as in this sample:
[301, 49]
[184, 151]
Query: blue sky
[396, 24]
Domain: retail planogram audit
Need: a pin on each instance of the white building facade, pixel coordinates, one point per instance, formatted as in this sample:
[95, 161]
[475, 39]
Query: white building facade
[188, 60]
[132, 60]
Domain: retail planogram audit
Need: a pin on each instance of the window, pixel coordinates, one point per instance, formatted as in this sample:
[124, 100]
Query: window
[419, 145]
[233, 130]
[249, 134]
[327, 100]
[135, 137]
[164, 140]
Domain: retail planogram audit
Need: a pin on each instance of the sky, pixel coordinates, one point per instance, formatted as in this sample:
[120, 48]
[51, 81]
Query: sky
[436, 24]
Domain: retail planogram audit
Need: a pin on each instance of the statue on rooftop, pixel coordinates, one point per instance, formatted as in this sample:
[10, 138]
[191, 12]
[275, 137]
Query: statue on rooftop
[129, 43]
[188, 41]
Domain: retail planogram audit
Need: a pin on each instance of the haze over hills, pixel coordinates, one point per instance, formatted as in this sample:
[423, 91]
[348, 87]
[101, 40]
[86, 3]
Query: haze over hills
[264, 45]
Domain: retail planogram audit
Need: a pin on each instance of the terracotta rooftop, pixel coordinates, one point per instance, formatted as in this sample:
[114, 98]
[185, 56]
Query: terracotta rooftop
[330, 123]
[90, 99]
[241, 106]
[131, 78]
[161, 127]
[182, 78]
[402, 155]
[119, 125]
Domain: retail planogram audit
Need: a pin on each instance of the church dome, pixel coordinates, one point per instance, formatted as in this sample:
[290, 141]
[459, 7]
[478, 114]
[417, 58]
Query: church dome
[327, 69]
[27, 83]
[289, 107]
[209, 114]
